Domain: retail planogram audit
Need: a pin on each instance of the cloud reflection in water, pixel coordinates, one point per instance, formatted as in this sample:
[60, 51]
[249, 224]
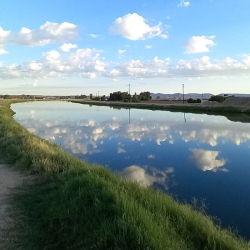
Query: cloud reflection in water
[148, 176]
[206, 160]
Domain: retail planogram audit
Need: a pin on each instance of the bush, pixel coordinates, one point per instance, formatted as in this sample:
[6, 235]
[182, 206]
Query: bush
[217, 98]
[191, 100]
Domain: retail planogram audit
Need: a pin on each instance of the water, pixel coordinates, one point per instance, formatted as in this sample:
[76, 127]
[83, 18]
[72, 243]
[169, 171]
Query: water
[187, 155]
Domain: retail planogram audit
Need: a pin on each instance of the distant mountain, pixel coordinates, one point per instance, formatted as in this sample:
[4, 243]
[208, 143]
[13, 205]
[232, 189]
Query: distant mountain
[192, 95]
[237, 95]
[180, 96]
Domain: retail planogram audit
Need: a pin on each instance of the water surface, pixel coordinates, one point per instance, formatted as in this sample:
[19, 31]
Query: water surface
[187, 155]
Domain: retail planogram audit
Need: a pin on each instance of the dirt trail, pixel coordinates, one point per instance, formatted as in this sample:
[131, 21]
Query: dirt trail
[9, 179]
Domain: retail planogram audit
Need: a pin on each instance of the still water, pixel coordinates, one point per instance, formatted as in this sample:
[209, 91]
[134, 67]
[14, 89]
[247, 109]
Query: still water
[189, 156]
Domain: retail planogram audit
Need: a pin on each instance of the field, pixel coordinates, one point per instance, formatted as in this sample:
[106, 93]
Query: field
[231, 105]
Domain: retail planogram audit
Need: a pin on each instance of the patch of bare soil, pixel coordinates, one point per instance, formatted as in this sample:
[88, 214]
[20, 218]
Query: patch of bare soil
[237, 101]
[230, 101]
[9, 179]
[165, 102]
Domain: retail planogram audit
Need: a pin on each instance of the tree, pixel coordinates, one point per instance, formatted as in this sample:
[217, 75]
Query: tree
[119, 96]
[217, 98]
[90, 96]
[191, 100]
[145, 96]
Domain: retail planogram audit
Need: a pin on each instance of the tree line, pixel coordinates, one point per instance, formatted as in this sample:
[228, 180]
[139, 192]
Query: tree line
[123, 97]
[126, 97]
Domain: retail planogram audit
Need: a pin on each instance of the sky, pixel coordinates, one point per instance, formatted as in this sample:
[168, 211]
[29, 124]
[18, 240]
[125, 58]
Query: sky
[74, 47]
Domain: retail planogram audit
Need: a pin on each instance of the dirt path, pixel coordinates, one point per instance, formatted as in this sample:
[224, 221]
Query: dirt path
[9, 178]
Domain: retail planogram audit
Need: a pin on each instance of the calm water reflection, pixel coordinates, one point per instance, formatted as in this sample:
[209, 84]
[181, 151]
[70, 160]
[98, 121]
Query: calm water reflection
[187, 155]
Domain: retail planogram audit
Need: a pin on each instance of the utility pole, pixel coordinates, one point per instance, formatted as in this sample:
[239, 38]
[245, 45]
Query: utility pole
[129, 89]
[183, 93]
[98, 93]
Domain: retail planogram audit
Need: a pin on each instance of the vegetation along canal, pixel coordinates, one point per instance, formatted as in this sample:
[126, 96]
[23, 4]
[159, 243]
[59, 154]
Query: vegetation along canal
[193, 157]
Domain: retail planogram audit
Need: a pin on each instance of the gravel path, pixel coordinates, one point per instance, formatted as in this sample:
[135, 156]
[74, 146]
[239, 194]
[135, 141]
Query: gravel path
[9, 178]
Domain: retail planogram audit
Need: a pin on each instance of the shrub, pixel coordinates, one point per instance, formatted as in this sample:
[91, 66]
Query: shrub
[217, 98]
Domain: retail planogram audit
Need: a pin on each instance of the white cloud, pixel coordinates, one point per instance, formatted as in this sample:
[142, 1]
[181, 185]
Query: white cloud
[94, 35]
[206, 160]
[3, 38]
[2, 50]
[120, 51]
[183, 3]
[114, 73]
[199, 64]
[46, 34]
[4, 35]
[134, 27]
[199, 44]
[66, 47]
[53, 56]
[88, 63]
[36, 66]
[246, 59]
[148, 46]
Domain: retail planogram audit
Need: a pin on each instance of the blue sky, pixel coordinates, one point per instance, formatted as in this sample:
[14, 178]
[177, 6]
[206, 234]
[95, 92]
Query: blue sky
[82, 47]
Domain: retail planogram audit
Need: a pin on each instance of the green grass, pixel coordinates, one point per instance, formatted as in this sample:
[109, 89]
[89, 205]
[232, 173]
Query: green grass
[188, 108]
[75, 205]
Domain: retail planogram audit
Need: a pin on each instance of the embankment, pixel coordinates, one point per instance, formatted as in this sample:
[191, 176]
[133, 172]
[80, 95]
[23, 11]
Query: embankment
[76, 205]
[231, 105]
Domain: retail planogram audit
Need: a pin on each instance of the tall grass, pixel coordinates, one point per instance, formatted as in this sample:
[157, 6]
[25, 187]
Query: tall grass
[189, 108]
[77, 205]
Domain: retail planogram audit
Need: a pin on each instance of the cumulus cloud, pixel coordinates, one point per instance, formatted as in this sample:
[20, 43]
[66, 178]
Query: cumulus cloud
[4, 34]
[183, 3]
[199, 44]
[3, 38]
[206, 160]
[66, 47]
[47, 33]
[2, 50]
[246, 59]
[135, 27]
[34, 66]
[88, 63]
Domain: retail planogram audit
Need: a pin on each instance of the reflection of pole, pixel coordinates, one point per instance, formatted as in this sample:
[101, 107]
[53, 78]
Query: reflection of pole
[129, 115]
[185, 117]
[183, 93]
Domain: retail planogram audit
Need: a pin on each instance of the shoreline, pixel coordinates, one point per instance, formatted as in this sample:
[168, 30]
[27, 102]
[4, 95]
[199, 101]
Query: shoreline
[208, 107]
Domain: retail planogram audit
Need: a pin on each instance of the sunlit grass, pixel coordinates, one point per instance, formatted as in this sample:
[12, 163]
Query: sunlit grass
[77, 205]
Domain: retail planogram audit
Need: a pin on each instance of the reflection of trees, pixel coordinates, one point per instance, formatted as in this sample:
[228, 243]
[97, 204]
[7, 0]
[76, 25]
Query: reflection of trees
[206, 160]
[148, 176]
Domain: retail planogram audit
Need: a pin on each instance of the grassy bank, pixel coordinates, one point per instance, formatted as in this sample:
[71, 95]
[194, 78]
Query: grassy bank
[76, 205]
[188, 108]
